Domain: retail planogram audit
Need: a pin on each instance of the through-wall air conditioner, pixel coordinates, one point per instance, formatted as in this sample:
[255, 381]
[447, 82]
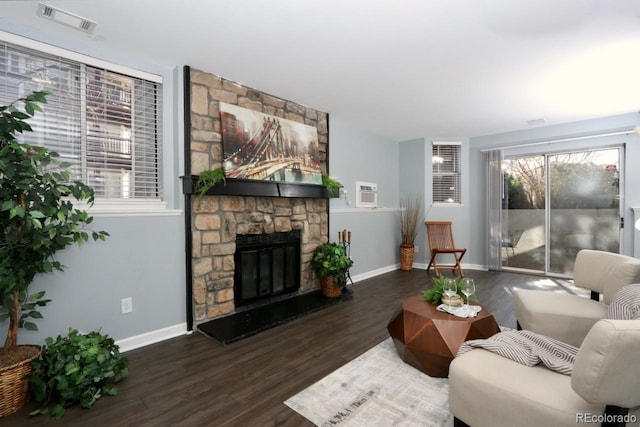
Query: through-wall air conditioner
[366, 195]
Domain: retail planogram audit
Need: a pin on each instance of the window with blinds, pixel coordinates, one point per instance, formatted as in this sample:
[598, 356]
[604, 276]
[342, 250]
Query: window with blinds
[446, 172]
[105, 123]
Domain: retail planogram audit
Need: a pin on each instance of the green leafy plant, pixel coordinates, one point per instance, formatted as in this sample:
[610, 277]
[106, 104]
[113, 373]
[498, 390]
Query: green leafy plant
[331, 259]
[333, 186]
[434, 294]
[37, 218]
[208, 179]
[77, 368]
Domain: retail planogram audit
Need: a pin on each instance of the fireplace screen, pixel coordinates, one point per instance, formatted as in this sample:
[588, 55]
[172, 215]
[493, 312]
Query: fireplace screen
[266, 265]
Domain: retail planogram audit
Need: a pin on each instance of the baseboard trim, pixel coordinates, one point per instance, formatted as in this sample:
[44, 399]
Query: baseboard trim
[374, 273]
[148, 338]
[153, 337]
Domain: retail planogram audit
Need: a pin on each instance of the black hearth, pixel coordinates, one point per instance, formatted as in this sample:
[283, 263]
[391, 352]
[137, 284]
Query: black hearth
[266, 265]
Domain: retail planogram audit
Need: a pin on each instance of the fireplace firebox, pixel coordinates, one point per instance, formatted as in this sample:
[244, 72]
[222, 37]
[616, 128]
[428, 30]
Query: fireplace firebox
[266, 265]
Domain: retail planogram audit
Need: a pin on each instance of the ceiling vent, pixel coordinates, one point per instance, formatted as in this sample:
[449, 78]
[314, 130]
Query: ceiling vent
[63, 17]
[536, 122]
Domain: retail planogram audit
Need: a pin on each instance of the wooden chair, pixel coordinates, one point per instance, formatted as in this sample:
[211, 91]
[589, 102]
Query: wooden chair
[440, 237]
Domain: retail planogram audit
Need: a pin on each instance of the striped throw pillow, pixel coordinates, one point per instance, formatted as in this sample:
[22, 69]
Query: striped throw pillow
[625, 304]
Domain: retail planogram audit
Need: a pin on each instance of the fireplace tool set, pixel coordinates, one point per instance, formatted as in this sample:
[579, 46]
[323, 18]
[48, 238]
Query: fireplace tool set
[344, 238]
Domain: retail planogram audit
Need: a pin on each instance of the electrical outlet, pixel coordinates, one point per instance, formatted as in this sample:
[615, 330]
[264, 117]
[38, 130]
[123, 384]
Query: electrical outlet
[126, 305]
[416, 249]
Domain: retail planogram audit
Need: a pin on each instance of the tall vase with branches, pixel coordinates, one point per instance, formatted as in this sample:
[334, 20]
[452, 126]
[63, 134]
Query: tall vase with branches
[410, 213]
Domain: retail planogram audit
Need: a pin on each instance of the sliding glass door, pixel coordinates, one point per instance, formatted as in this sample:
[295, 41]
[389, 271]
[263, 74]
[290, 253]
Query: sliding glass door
[556, 204]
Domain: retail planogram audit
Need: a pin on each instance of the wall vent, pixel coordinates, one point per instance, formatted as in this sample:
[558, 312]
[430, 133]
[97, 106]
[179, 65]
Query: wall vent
[47, 11]
[66, 18]
[366, 195]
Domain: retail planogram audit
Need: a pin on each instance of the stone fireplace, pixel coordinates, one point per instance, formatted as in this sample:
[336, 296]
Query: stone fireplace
[220, 223]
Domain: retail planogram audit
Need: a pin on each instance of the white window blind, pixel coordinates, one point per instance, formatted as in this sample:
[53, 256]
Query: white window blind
[446, 172]
[106, 124]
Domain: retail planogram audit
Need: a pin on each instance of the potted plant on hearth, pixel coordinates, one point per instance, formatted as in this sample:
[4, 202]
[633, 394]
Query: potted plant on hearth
[332, 263]
[410, 213]
[37, 219]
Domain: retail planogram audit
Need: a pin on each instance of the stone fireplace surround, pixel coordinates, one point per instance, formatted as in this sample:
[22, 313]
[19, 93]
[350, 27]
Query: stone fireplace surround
[216, 219]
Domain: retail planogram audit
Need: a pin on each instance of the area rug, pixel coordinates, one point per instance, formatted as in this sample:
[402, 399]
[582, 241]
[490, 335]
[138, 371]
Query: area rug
[375, 389]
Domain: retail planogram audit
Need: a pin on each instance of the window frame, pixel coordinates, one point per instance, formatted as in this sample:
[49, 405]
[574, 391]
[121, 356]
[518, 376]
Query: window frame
[103, 205]
[457, 174]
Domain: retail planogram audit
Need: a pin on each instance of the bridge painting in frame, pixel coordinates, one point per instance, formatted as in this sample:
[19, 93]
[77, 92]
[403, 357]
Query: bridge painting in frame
[264, 147]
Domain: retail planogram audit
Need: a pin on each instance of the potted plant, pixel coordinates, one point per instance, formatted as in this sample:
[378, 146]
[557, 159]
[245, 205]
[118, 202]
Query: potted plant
[410, 213]
[435, 294]
[208, 179]
[76, 368]
[37, 219]
[332, 263]
[333, 186]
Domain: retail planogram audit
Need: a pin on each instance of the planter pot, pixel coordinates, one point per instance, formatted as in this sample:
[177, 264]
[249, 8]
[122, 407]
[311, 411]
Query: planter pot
[406, 257]
[14, 382]
[329, 288]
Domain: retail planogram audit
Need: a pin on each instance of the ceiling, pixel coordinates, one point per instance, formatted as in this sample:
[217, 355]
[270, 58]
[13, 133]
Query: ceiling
[400, 69]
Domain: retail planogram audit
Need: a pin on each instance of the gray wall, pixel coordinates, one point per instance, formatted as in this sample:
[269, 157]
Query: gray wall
[415, 177]
[355, 155]
[144, 257]
[631, 177]
[469, 220]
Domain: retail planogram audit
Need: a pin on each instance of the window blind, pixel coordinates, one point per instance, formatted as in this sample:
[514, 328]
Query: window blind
[104, 123]
[446, 172]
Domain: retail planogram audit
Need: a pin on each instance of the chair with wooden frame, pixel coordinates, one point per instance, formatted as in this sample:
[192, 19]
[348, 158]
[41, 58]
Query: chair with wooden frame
[440, 236]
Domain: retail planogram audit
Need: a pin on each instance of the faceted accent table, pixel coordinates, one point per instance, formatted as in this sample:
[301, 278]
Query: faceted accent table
[428, 339]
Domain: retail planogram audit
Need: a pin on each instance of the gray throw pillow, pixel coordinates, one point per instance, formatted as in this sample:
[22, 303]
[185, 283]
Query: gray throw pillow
[625, 304]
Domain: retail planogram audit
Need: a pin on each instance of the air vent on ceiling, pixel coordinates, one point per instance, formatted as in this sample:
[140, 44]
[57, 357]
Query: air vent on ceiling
[366, 195]
[47, 11]
[536, 122]
[66, 18]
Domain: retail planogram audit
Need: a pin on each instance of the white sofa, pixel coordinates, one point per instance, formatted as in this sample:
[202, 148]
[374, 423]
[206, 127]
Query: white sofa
[566, 317]
[486, 389]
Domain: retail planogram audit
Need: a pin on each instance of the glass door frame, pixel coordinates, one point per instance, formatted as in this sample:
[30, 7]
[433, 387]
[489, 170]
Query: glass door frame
[620, 147]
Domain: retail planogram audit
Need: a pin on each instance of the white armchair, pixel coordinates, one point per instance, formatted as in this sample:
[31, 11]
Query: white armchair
[568, 318]
[486, 389]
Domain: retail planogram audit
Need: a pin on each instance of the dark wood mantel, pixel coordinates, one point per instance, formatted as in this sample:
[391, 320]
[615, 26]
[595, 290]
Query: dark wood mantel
[250, 187]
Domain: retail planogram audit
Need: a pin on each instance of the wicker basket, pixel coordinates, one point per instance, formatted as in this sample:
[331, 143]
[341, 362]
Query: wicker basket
[14, 384]
[329, 288]
[406, 257]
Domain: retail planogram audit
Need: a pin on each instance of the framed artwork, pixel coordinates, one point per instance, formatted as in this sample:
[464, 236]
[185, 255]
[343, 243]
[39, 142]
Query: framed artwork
[264, 147]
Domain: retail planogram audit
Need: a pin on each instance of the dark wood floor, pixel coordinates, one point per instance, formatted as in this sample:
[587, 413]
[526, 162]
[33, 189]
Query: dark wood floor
[193, 381]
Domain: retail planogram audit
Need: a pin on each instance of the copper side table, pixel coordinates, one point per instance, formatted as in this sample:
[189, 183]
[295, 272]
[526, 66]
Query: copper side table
[428, 339]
